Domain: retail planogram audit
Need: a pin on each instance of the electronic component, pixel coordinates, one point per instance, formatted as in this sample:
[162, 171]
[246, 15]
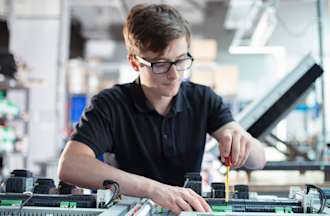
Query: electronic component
[53, 200]
[218, 190]
[19, 181]
[44, 186]
[103, 197]
[311, 199]
[241, 192]
[108, 195]
[108, 201]
[194, 182]
[65, 188]
[242, 205]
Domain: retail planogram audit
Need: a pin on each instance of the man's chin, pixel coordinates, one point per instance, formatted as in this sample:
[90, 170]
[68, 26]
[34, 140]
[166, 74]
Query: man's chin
[170, 93]
[169, 90]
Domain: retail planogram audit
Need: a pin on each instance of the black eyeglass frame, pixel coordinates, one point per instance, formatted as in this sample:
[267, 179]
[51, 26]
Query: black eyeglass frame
[151, 64]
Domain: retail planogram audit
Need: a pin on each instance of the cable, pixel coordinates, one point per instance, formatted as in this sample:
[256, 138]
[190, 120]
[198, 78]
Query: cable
[114, 188]
[18, 212]
[323, 198]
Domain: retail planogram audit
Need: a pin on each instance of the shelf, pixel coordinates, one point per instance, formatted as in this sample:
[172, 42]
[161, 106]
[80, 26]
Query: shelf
[19, 121]
[11, 84]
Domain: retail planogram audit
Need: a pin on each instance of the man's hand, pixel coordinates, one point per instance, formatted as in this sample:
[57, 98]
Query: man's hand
[240, 146]
[235, 144]
[178, 199]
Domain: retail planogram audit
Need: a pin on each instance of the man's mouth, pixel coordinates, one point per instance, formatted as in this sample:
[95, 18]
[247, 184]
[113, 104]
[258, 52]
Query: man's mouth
[170, 84]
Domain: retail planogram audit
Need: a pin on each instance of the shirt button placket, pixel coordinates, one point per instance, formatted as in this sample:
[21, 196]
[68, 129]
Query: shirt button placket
[163, 132]
[168, 148]
[164, 138]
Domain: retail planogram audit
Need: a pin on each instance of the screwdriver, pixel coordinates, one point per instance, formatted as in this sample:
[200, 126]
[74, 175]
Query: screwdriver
[228, 164]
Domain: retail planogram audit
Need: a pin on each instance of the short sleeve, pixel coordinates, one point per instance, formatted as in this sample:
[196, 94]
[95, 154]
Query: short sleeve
[218, 113]
[94, 128]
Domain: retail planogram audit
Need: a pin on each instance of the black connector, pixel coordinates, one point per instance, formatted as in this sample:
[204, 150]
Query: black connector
[194, 182]
[218, 190]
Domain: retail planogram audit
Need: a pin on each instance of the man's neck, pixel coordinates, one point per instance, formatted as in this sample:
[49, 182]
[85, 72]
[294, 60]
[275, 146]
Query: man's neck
[161, 104]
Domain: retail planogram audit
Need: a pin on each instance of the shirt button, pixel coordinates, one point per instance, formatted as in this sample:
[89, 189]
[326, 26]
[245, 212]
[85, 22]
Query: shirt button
[165, 136]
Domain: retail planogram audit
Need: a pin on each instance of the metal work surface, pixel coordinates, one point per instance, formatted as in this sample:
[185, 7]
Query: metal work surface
[48, 211]
[243, 213]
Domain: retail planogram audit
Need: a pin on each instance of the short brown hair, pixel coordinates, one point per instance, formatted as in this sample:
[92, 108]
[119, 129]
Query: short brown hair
[152, 27]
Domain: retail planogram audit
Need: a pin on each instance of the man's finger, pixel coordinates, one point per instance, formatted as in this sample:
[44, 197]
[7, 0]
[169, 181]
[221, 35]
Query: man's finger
[184, 206]
[225, 143]
[242, 152]
[193, 202]
[175, 209]
[202, 201]
[247, 152]
[235, 148]
[204, 204]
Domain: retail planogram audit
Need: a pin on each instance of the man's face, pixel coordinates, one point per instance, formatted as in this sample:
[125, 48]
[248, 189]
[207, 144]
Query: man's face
[164, 84]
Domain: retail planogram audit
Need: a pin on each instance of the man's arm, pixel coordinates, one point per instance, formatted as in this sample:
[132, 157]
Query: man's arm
[237, 143]
[79, 166]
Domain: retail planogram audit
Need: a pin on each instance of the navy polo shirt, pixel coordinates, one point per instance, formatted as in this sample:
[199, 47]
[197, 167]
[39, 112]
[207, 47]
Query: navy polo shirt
[122, 121]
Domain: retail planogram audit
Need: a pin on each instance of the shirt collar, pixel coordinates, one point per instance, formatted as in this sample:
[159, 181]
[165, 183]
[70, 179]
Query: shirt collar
[142, 104]
[181, 101]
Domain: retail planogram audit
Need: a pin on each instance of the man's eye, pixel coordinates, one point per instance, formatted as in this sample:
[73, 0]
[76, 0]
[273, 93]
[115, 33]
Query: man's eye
[161, 64]
[181, 60]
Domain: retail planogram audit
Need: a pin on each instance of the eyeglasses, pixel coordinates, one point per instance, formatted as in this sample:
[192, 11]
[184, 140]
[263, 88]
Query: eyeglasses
[164, 67]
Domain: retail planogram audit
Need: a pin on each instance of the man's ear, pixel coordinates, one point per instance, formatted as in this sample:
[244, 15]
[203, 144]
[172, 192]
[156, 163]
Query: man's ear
[133, 62]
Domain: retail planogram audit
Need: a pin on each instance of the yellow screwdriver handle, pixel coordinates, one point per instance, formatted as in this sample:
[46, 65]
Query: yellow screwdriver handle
[228, 164]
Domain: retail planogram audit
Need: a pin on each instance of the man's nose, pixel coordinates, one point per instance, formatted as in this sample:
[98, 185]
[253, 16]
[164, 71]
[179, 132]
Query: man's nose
[172, 73]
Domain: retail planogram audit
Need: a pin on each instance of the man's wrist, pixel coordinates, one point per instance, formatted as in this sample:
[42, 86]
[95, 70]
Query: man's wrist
[149, 188]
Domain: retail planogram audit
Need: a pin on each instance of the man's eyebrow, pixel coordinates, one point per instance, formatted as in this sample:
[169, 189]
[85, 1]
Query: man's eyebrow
[157, 58]
[182, 55]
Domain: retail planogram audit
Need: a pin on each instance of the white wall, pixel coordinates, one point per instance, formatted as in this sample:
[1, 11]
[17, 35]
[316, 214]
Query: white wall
[258, 72]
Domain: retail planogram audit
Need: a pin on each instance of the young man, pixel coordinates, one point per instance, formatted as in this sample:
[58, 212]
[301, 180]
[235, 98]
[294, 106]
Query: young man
[157, 125]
